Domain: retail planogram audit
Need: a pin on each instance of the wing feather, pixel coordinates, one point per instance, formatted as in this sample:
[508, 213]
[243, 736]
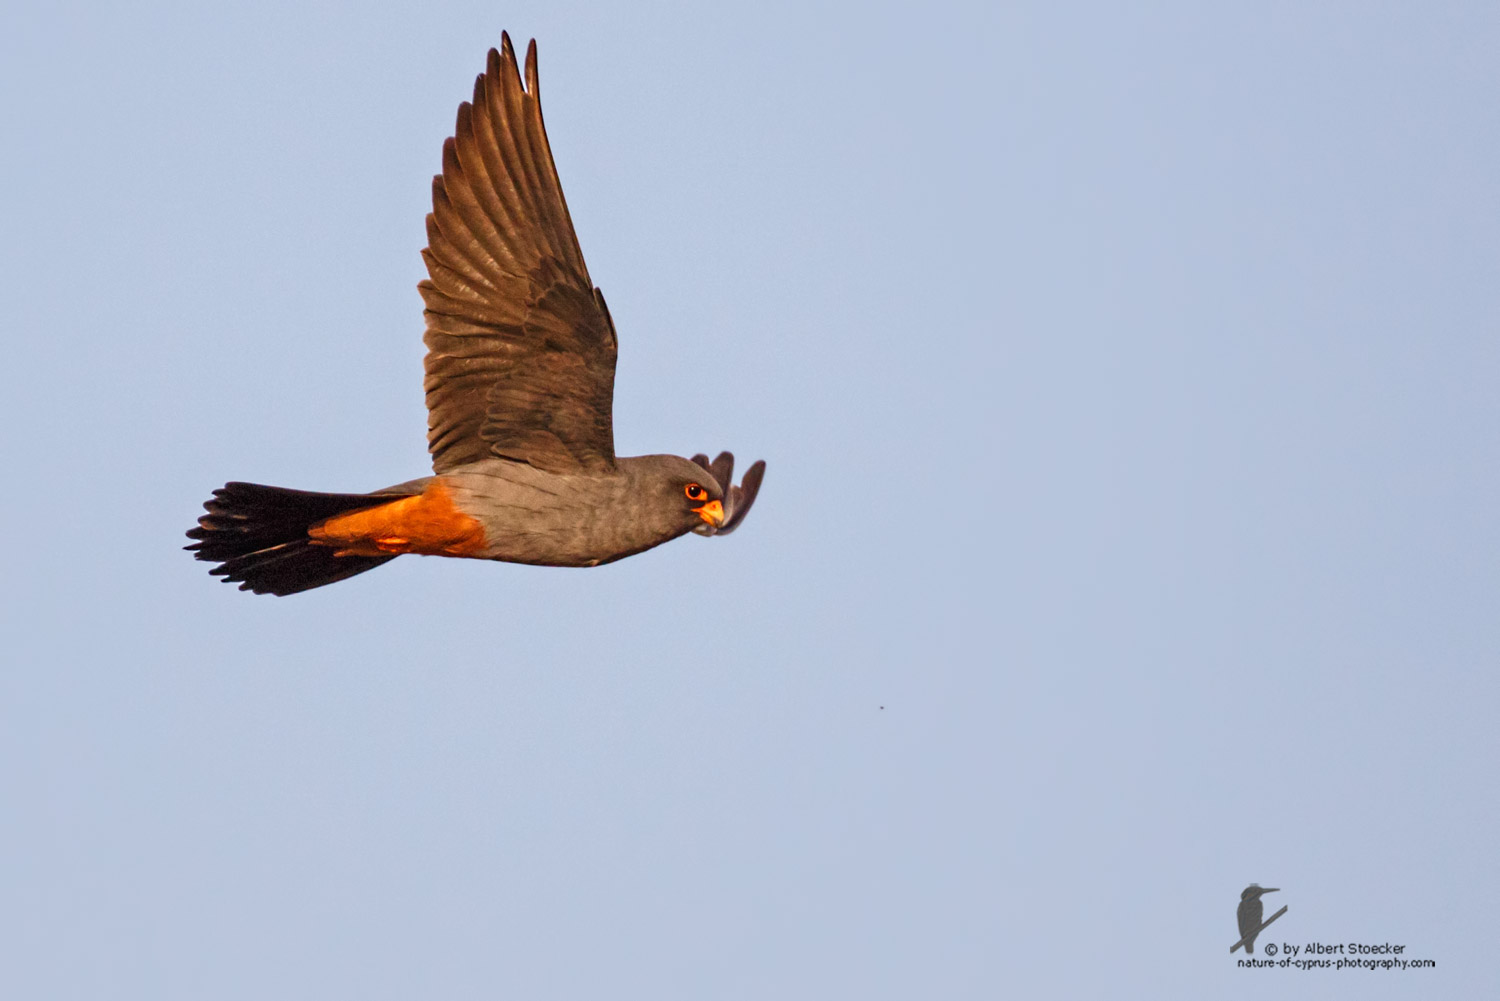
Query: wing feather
[521, 348]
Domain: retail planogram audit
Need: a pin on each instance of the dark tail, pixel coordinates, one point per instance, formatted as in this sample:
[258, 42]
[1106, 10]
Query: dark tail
[258, 536]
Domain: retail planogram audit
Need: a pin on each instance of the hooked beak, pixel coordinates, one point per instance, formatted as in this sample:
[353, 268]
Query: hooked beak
[712, 513]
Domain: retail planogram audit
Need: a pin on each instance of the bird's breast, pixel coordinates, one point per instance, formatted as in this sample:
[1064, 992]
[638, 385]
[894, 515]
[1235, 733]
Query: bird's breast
[531, 516]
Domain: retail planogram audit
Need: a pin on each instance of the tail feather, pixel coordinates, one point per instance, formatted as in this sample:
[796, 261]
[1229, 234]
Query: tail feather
[258, 536]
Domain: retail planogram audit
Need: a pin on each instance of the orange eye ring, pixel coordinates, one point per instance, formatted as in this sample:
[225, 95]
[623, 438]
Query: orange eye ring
[695, 492]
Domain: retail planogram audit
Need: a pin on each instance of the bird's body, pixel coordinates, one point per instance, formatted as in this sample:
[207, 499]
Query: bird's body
[520, 382]
[521, 514]
[1250, 913]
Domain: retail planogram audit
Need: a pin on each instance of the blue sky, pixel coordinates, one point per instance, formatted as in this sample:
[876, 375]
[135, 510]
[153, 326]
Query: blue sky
[1127, 383]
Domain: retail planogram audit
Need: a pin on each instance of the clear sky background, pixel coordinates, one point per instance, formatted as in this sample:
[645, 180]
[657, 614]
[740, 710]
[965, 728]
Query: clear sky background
[1128, 381]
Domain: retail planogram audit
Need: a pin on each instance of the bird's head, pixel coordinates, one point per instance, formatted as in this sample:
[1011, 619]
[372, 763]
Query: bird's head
[1254, 890]
[694, 494]
[681, 495]
[736, 500]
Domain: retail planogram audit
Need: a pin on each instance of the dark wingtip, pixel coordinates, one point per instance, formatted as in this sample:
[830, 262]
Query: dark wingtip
[533, 85]
[744, 495]
[491, 68]
[723, 470]
[508, 57]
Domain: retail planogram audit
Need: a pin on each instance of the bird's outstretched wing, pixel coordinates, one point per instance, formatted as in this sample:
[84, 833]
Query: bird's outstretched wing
[521, 349]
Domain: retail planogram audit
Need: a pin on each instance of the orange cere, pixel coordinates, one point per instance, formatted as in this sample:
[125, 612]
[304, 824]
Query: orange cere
[712, 512]
[428, 523]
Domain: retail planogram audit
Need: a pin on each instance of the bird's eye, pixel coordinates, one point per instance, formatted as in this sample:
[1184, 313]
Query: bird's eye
[695, 492]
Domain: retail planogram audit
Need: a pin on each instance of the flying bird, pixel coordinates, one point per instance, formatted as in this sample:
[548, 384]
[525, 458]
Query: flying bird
[1250, 911]
[520, 373]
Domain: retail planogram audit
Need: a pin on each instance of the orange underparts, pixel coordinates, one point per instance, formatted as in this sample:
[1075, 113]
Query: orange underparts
[429, 524]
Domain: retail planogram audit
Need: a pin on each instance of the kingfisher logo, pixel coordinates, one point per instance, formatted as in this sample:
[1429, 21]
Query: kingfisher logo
[1249, 915]
[1279, 954]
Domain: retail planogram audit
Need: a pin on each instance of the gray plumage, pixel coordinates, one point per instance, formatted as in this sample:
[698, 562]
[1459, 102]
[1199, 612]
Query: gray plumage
[519, 384]
[1250, 913]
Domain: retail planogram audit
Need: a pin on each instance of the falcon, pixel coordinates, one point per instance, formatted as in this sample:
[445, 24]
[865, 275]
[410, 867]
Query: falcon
[520, 373]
